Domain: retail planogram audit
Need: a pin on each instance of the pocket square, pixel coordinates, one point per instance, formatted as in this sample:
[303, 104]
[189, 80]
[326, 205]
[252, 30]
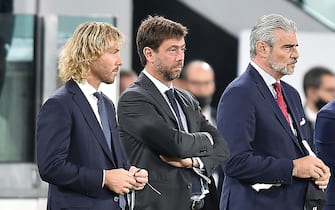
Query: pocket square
[302, 122]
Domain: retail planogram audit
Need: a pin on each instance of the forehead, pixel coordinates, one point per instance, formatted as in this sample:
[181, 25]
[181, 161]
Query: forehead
[173, 42]
[200, 72]
[328, 80]
[284, 37]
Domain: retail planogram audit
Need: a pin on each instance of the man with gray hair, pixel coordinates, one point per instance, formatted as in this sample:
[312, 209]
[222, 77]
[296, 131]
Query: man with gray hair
[271, 164]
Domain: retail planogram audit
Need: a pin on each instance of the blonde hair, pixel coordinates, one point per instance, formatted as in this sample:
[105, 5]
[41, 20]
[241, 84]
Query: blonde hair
[89, 41]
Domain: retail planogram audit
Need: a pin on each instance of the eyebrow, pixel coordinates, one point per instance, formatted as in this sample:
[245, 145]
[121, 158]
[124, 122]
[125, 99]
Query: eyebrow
[290, 45]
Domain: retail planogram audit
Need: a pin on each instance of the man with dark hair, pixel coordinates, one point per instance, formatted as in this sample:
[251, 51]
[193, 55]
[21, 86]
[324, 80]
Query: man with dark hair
[162, 127]
[127, 77]
[319, 89]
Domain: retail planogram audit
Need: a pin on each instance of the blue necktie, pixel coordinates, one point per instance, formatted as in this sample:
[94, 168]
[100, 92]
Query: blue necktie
[106, 129]
[103, 118]
[172, 99]
[196, 183]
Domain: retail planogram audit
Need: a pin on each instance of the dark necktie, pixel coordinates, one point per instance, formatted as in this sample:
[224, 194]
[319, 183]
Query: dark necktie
[103, 118]
[173, 102]
[196, 183]
[280, 100]
[106, 129]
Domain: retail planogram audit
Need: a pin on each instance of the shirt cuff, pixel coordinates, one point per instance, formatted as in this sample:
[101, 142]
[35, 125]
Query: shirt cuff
[201, 164]
[103, 178]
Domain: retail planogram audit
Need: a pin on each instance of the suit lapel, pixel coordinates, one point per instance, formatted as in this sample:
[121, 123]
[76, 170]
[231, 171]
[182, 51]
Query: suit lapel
[152, 90]
[294, 114]
[184, 102]
[262, 87]
[116, 146]
[89, 116]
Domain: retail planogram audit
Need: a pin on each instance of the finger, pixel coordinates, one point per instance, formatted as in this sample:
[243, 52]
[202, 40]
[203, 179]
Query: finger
[133, 170]
[314, 175]
[125, 190]
[141, 173]
[139, 186]
[322, 184]
[322, 187]
[323, 178]
[141, 180]
[319, 171]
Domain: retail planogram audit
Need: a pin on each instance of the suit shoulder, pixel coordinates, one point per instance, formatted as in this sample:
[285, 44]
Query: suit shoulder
[133, 92]
[241, 85]
[60, 94]
[328, 108]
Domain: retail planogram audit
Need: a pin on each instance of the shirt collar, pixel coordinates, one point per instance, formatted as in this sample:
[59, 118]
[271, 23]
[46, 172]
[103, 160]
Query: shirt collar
[86, 88]
[268, 79]
[160, 86]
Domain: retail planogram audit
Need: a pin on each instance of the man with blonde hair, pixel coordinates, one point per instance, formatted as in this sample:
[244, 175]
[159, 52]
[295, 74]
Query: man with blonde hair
[78, 148]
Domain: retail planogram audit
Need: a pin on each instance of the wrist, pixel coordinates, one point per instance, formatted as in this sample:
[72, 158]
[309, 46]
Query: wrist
[192, 162]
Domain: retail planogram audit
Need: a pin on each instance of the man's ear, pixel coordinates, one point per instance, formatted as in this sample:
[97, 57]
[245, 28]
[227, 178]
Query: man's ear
[148, 53]
[262, 49]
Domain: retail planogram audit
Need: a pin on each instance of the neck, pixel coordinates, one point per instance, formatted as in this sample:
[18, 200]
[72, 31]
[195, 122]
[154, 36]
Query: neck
[311, 106]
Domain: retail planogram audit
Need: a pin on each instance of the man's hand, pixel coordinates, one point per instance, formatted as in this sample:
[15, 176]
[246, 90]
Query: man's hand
[141, 177]
[180, 163]
[120, 180]
[312, 167]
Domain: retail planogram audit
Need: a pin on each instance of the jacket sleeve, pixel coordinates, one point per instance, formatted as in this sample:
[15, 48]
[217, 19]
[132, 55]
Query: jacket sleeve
[140, 117]
[238, 121]
[53, 137]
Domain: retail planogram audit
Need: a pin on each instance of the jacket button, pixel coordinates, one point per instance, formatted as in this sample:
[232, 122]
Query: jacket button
[189, 186]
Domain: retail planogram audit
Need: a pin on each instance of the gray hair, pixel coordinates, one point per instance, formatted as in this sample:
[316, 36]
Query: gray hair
[265, 27]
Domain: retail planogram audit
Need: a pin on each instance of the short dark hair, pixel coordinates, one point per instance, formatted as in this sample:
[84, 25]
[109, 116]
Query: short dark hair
[313, 77]
[154, 30]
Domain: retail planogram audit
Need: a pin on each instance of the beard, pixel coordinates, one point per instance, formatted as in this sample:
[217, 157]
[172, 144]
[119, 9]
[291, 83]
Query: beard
[280, 67]
[167, 71]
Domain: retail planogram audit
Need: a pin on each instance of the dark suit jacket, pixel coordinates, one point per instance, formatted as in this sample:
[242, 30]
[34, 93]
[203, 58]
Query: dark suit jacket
[148, 129]
[72, 151]
[325, 146]
[262, 145]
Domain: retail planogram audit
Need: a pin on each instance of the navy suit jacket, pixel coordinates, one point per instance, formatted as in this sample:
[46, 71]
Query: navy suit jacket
[72, 151]
[325, 146]
[262, 145]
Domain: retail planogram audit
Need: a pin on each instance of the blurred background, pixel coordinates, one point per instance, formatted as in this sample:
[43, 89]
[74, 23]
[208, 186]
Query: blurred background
[33, 31]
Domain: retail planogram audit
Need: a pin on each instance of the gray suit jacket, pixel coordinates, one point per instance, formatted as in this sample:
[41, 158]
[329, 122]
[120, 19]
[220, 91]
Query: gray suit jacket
[148, 129]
